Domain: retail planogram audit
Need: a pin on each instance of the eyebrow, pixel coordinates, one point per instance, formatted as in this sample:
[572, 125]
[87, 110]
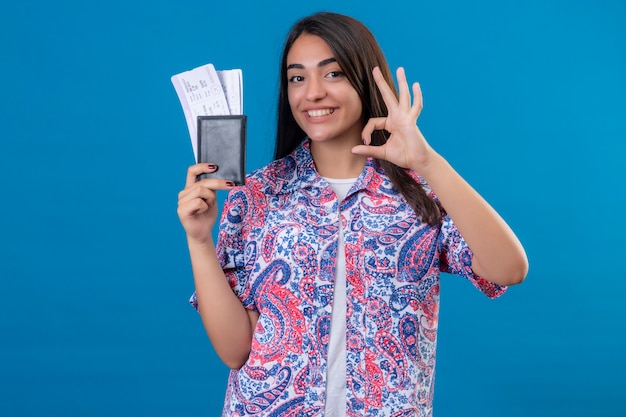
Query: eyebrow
[319, 65]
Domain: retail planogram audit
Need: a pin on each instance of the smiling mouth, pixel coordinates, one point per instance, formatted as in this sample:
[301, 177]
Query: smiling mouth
[320, 112]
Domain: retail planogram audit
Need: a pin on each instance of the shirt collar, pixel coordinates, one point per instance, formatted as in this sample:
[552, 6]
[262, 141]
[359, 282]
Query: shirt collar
[297, 171]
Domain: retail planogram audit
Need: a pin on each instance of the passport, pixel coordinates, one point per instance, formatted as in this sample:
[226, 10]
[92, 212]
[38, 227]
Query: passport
[222, 141]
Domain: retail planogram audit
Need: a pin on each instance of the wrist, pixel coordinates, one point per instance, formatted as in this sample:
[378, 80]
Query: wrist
[200, 244]
[427, 163]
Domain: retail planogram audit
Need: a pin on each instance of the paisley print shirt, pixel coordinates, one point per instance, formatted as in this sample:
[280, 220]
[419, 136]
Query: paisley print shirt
[278, 246]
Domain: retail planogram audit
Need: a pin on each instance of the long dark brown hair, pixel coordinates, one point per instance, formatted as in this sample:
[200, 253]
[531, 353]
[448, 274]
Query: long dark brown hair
[357, 52]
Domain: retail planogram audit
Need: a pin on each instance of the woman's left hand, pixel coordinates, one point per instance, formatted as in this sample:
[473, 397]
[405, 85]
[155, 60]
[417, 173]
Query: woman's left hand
[406, 146]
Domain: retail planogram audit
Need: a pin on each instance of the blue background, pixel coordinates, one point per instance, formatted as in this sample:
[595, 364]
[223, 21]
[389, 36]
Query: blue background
[526, 99]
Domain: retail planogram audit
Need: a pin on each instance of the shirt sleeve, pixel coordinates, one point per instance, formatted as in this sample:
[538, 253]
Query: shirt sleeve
[456, 258]
[231, 246]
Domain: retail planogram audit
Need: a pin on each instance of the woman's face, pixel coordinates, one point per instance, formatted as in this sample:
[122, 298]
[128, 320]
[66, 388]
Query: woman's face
[322, 100]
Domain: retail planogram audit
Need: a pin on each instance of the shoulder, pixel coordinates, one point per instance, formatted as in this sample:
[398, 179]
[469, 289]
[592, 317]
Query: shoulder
[378, 179]
[263, 182]
[272, 178]
[284, 175]
[417, 177]
[422, 182]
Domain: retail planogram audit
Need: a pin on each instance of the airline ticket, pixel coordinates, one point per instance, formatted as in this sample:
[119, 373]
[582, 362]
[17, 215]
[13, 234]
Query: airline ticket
[204, 91]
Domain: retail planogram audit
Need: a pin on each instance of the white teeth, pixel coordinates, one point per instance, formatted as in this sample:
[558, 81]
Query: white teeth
[319, 113]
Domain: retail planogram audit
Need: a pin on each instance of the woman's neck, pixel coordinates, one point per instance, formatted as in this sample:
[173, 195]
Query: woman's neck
[334, 159]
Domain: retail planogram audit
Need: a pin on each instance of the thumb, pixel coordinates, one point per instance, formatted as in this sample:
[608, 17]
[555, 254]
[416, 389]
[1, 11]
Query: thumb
[377, 152]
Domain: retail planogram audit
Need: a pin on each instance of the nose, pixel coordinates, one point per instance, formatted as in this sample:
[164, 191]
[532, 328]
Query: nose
[315, 89]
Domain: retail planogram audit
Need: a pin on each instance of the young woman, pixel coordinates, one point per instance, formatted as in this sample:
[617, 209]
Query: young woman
[322, 293]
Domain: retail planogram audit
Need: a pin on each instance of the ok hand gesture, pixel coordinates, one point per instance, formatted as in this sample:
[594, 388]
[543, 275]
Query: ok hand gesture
[406, 147]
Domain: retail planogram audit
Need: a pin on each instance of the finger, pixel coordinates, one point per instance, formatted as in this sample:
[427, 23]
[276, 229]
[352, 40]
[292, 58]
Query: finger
[196, 200]
[378, 152]
[385, 91]
[216, 184]
[197, 169]
[196, 192]
[193, 207]
[418, 100]
[375, 123]
[403, 87]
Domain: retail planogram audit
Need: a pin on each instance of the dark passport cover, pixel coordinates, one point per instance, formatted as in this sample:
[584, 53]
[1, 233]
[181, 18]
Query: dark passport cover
[222, 141]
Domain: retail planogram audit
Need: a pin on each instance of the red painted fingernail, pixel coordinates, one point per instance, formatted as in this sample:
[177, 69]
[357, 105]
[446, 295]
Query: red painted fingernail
[230, 183]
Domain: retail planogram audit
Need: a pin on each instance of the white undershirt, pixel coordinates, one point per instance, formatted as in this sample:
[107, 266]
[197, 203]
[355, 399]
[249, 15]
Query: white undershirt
[336, 368]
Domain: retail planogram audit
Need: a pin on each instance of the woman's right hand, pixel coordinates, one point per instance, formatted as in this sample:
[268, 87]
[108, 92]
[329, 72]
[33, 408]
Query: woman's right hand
[197, 202]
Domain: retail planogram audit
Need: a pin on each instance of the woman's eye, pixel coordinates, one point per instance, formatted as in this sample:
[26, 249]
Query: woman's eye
[335, 74]
[295, 79]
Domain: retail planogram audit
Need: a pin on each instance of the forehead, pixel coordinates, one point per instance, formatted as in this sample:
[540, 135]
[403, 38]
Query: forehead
[308, 50]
